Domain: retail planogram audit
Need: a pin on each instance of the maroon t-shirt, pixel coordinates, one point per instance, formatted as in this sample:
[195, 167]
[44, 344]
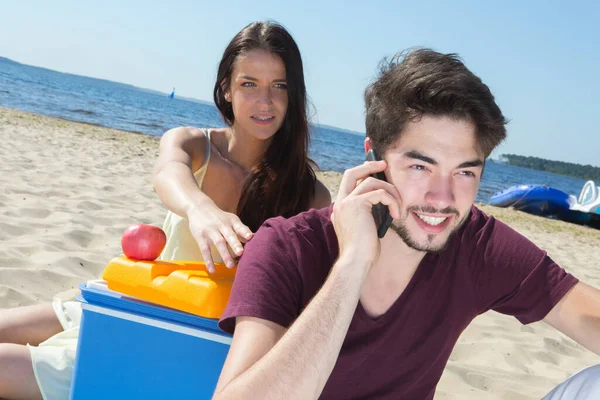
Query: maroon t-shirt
[401, 354]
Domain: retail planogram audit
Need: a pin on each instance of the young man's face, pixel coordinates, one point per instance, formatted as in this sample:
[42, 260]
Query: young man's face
[436, 166]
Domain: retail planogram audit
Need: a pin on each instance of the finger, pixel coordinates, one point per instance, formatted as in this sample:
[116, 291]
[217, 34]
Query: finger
[353, 175]
[221, 245]
[385, 198]
[207, 256]
[232, 240]
[243, 231]
[371, 184]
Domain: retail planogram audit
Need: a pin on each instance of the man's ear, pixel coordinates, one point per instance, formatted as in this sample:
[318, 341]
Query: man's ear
[368, 144]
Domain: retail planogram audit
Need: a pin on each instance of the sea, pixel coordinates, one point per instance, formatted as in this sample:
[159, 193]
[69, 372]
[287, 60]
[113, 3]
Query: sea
[126, 107]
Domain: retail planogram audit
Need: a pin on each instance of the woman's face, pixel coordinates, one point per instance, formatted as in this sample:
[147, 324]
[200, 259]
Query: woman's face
[258, 94]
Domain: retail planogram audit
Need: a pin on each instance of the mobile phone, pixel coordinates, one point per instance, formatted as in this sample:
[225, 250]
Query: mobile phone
[381, 212]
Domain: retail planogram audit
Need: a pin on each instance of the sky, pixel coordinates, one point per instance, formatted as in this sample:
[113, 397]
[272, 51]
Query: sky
[541, 59]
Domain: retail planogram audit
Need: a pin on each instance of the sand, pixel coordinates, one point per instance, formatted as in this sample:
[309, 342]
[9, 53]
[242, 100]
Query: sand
[68, 190]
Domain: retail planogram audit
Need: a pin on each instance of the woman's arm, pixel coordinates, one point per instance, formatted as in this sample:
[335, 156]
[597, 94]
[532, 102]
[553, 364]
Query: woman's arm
[322, 196]
[182, 151]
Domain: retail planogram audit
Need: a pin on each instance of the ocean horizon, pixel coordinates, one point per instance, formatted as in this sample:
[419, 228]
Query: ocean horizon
[130, 108]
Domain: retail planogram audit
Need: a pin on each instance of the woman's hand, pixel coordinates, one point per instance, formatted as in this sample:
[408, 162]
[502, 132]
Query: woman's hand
[210, 225]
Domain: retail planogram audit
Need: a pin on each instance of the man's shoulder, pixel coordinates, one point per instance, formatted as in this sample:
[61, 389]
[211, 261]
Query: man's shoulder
[282, 268]
[478, 222]
[484, 231]
[297, 240]
[312, 223]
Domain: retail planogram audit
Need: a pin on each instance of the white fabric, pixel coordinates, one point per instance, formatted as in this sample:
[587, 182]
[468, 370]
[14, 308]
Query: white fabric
[181, 245]
[584, 385]
[68, 313]
[53, 360]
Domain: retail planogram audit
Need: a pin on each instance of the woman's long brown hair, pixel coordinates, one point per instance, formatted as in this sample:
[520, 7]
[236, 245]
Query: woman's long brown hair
[283, 182]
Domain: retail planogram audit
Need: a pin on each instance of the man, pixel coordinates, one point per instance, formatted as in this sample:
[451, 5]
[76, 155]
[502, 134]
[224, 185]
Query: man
[323, 308]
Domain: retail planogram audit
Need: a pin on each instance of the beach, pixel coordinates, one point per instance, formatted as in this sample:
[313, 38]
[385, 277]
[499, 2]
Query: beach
[69, 190]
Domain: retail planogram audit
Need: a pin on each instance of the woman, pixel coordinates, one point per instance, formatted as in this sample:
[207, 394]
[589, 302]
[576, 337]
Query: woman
[218, 184]
[224, 181]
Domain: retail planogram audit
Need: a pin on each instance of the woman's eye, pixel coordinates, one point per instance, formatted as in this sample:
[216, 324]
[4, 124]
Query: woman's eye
[281, 86]
[248, 84]
[418, 167]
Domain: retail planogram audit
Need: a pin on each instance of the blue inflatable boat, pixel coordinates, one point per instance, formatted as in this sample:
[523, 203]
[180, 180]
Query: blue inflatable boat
[540, 200]
[534, 199]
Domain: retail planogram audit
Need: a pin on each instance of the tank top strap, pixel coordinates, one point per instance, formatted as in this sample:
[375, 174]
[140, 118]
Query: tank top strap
[201, 172]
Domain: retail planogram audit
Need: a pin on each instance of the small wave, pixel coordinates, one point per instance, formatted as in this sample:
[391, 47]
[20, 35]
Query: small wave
[147, 125]
[86, 112]
[4, 91]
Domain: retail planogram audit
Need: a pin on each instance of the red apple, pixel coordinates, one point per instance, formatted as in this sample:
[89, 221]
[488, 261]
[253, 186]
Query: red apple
[143, 242]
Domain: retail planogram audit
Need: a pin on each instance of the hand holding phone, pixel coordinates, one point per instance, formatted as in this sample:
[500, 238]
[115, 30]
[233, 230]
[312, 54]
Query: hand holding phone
[381, 212]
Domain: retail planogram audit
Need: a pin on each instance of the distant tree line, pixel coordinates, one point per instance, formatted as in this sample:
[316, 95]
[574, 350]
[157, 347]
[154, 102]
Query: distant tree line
[586, 172]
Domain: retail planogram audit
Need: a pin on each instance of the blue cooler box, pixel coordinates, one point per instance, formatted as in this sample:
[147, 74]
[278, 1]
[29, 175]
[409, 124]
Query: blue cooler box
[131, 349]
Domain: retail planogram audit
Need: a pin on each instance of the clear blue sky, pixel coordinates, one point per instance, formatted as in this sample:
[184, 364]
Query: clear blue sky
[540, 58]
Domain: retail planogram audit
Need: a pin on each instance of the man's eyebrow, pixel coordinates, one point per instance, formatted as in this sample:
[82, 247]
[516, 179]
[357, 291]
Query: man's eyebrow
[471, 164]
[422, 157]
[418, 156]
[250, 78]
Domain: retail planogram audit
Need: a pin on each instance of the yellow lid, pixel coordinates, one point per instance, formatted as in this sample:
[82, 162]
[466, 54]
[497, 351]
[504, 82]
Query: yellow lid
[182, 285]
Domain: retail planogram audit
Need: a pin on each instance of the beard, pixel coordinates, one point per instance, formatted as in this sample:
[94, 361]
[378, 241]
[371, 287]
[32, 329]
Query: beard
[400, 227]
